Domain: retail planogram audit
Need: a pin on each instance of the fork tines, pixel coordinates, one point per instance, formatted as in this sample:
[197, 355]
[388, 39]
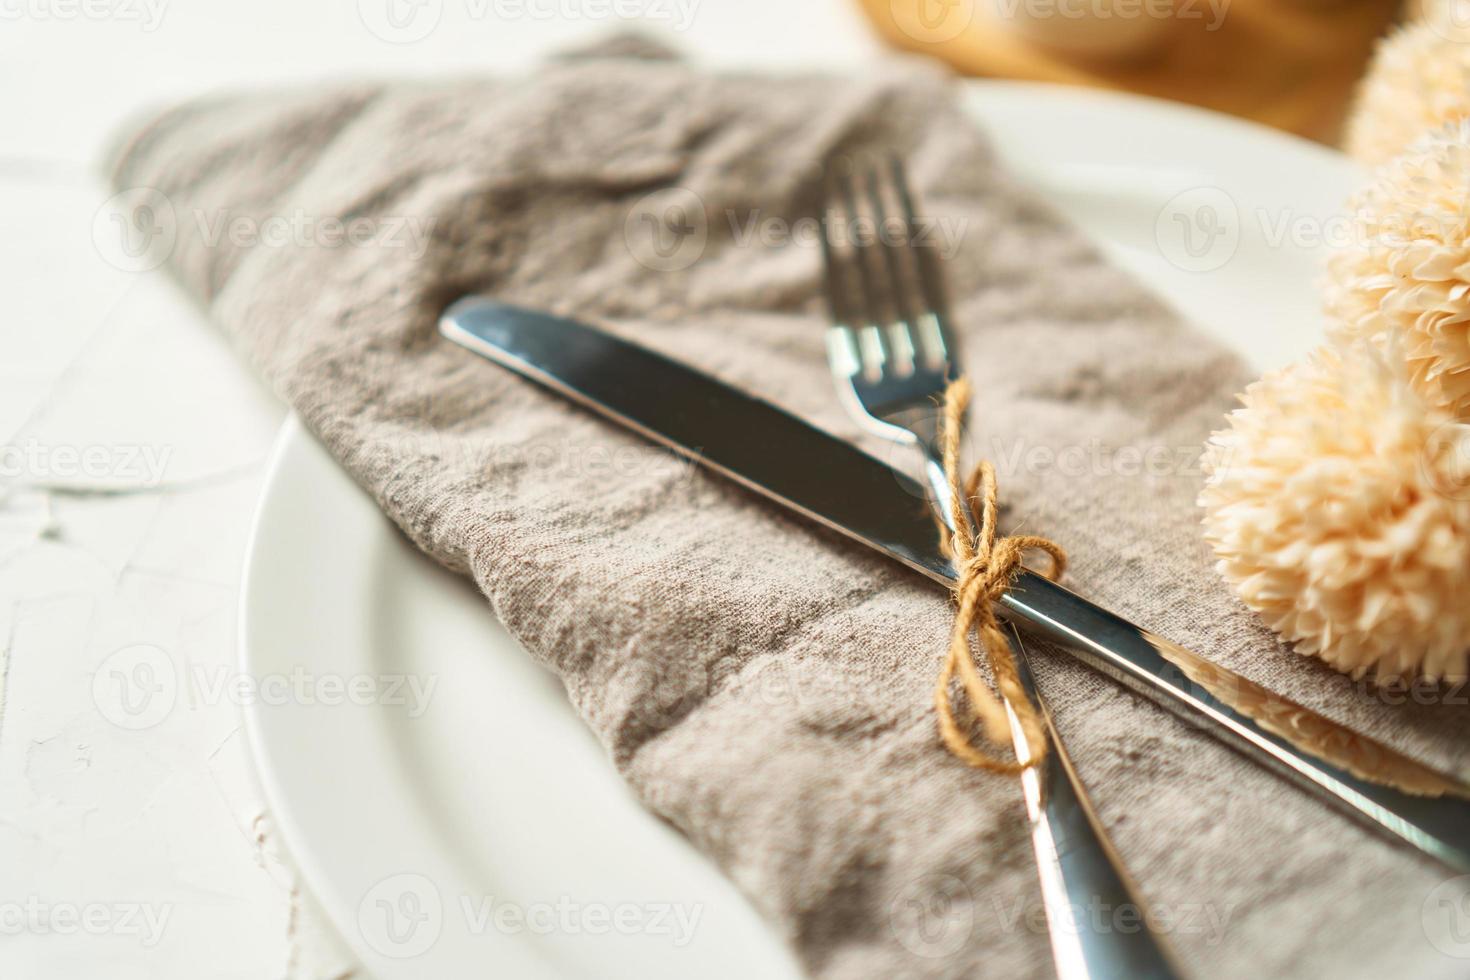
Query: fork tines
[893, 317]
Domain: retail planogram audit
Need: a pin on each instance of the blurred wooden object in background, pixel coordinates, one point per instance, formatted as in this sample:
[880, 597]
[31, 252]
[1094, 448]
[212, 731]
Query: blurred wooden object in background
[1292, 64]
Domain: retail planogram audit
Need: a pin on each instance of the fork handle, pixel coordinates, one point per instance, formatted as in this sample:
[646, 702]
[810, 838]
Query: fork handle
[1099, 928]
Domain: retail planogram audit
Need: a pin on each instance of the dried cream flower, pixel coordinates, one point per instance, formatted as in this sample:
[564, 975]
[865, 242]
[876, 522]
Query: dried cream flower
[1404, 279]
[1338, 505]
[1419, 81]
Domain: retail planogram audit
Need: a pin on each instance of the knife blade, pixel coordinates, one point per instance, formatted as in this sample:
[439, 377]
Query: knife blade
[773, 453]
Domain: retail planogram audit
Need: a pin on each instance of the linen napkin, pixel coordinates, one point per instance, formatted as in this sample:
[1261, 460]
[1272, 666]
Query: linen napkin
[763, 685]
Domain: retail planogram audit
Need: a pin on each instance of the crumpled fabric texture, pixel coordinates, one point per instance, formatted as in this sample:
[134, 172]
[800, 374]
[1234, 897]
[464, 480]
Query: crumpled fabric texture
[764, 685]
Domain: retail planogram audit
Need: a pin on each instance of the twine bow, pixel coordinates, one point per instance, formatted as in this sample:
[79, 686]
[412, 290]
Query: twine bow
[986, 567]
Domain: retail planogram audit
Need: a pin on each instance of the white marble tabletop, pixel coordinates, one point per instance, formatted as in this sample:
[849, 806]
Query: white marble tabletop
[132, 445]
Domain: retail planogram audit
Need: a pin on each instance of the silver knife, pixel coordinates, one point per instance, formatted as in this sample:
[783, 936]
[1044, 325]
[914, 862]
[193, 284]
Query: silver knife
[765, 449]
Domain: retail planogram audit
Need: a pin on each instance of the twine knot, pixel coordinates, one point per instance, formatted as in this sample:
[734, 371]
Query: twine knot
[986, 566]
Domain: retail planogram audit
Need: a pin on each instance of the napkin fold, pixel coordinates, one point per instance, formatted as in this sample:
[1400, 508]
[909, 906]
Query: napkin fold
[762, 684]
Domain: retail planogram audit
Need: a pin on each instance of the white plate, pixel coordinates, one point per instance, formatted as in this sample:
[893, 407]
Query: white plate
[495, 799]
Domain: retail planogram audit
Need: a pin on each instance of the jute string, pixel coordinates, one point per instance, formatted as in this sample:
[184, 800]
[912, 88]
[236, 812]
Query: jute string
[986, 566]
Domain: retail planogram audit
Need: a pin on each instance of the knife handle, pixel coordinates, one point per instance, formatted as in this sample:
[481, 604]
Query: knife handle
[1099, 928]
[1427, 808]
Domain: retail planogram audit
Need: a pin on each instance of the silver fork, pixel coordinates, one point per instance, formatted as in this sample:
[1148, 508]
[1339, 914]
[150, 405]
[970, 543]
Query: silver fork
[893, 356]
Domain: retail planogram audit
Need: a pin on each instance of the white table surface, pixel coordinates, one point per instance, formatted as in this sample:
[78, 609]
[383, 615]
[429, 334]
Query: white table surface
[137, 845]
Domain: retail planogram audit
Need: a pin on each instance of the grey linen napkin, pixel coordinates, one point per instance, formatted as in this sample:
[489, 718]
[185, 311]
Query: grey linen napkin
[762, 685]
